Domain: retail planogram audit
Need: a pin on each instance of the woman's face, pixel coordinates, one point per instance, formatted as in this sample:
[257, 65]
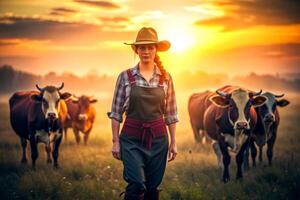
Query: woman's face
[146, 52]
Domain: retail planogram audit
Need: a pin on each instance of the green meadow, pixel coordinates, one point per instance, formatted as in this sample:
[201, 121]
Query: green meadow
[90, 172]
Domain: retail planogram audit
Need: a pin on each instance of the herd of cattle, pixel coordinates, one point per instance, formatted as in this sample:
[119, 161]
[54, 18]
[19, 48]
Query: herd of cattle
[233, 118]
[43, 116]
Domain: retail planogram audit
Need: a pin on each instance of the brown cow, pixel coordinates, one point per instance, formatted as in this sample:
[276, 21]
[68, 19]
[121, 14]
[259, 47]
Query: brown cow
[81, 117]
[39, 117]
[229, 121]
[197, 105]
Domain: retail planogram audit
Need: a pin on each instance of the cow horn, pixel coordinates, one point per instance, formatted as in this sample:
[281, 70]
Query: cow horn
[278, 96]
[223, 94]
[75, 96]
[253, 94]
[61, 87]
[38, 87]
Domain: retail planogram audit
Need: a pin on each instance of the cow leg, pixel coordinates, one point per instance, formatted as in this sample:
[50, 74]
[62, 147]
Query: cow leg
[226, 161]
[86, 136]
[34, 151]
[66, 134]
[218, 152]
[203, 135]
[48, 151]
[246, 159]
[24, 145]
[196, 133]
[55, 151]
[270, 146]
[239, 159]
[76, 134]
[253, 153]
[249, 147]
[260, 154]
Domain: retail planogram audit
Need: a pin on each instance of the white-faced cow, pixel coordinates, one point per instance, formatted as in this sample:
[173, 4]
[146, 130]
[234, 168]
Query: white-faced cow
[229, 121]
[266, 128]
[38, 116]
[81, 116]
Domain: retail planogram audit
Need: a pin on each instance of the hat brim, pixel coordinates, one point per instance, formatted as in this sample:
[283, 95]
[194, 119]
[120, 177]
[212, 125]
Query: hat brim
[163, 45]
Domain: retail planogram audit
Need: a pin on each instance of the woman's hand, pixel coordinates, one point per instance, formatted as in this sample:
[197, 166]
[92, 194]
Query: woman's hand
[116, 150]
[172, 151]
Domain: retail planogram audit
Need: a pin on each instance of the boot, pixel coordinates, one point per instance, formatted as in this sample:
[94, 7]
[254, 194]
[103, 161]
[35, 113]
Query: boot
[129, 196]
[152, 194]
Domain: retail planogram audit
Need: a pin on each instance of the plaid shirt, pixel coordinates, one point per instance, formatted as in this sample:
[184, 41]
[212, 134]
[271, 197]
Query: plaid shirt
[122, 91]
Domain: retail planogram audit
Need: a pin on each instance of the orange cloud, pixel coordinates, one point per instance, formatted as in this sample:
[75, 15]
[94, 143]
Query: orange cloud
[42, 28]
[244, 14]
[62, 11]
[100, 4]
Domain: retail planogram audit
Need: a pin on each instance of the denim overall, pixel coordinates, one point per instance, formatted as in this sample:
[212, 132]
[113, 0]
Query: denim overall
[143, 139]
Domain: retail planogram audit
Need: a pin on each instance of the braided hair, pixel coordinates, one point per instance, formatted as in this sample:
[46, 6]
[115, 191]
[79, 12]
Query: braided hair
[160, 67]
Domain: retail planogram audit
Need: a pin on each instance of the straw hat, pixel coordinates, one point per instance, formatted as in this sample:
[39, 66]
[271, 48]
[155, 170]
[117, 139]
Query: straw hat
[148, 35]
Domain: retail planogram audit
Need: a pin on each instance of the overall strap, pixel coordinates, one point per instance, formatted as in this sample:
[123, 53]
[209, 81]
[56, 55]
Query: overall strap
[130, 77]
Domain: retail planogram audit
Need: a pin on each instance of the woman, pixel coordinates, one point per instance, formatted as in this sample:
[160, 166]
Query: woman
[146, 94]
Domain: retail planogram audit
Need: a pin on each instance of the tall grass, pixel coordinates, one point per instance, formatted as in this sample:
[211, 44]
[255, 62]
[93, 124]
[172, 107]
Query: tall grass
[90, 172]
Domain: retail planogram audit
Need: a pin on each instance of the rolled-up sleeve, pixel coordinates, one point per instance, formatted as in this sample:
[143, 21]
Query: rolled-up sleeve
[171, 115]
[118, 100]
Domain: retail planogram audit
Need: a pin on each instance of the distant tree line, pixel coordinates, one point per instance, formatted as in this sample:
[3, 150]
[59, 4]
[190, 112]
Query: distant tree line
[12, 80]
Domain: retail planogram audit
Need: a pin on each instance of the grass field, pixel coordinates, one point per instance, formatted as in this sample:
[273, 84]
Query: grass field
[90, 172]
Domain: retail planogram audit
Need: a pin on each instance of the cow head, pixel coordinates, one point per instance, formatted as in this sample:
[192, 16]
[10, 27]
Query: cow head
[267, 111]
[238, 104]
[49, 98]
[84, 105]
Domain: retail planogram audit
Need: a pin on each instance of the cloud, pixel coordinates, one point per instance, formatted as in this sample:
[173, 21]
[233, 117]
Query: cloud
[115, 19]
[284, 51]
[37, 28]
[8, 43]
[100, 4]
[271, 51]
[241, 14]
[62, 11]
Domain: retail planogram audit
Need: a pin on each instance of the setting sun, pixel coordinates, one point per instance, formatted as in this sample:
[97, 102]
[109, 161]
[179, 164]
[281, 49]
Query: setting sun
[180, 40]
[180, 35]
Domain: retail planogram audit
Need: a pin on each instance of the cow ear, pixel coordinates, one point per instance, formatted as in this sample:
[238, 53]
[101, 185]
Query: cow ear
[282, 102]
[36, 97]
[219, 101]
[93, 101]
[65, 95]
[259, 101]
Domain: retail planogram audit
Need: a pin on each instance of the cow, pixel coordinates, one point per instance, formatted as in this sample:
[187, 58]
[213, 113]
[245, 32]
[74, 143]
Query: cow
[81, 116]
[197, 104]
[229, 121]
[265, 131]
[38, 116]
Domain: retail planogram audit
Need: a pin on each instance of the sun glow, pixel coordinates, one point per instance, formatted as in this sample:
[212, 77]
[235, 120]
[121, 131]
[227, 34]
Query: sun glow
[180, 36]
[180, 41]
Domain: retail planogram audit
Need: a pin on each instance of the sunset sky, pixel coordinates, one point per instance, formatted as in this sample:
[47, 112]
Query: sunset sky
[85, 36]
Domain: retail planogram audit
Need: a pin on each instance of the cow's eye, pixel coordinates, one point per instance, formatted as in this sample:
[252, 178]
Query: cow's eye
[56, 103]
[45, 103]
[248, 104]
